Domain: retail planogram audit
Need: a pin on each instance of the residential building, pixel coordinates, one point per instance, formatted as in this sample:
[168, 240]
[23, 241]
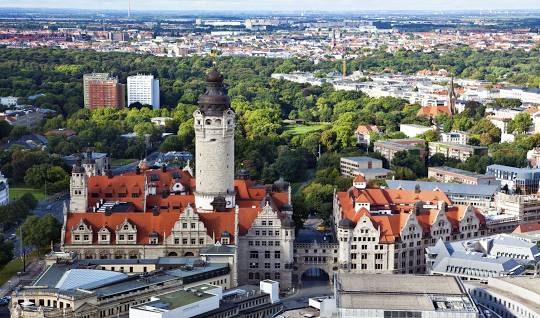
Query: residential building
[4, 190]
[363, 132]
[367, 167]
[387, 230]
[413, 130]
[86, 81]
[495, 256]
[210, 301]
[507, 296]
[103, 91]
[143, 89]
[456, 151]
[453, 175]
[383, 296]
[479, 196]
[66, 290]
[518, 180]
[152, 213]
[456, 137]
[388, 148]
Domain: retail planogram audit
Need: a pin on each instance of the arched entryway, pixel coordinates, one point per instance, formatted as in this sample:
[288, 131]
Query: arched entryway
[314, 276]
[172, 254]
[189, 254]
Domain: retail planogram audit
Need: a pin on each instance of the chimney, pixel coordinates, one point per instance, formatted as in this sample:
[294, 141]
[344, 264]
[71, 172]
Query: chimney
[164, 168]
[138, 170]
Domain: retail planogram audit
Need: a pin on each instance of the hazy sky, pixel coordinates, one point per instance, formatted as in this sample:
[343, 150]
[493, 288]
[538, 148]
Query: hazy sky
[279, 5]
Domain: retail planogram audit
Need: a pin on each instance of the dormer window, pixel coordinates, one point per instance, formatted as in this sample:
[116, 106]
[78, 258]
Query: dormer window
[153, 241]
[225, 240]
[81, 228]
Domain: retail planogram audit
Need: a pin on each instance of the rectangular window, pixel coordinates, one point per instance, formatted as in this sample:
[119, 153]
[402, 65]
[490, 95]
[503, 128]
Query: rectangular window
[86, 237]
[267, 265]
[103, 237]
[121, 237]
[176, 241]
[277, 254]
[266, 254]
[253, 254]
[130, 237]
[201, 241]
[184, 241]
[277, 265]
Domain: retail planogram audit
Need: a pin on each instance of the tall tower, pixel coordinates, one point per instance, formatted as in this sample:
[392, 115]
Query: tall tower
[214, 122]
[78, 187]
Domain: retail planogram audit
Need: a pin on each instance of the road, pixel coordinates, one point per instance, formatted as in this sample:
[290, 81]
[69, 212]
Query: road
[309, 289]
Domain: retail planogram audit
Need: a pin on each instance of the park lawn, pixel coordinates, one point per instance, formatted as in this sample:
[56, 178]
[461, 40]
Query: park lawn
[14, 266]
[121, 162]
[302, 129]
[17, 192]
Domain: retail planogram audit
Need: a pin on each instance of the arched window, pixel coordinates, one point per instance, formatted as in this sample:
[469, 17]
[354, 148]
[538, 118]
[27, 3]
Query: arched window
[209, 122]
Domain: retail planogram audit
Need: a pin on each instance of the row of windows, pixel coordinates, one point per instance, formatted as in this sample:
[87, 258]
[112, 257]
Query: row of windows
[269, 233]
[264, 243]
[267, 254]
[253, 265]
[266, 275]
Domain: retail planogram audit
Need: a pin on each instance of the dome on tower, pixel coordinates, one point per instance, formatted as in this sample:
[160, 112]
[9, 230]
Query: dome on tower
[77, 168]
[215, 100]
[219, 203]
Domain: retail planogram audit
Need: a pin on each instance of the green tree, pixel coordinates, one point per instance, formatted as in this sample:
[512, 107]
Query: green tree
[520, 124]
[40, 232]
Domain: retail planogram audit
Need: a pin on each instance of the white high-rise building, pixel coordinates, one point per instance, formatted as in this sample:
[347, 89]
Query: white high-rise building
[143, 89]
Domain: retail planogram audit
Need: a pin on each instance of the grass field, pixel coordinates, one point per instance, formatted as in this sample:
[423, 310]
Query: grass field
[14, 266]
[302, 129]
[16, 192]
[121, 162]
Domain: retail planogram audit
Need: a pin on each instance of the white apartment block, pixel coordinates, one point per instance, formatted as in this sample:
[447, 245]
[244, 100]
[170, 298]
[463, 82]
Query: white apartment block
[456, 137]
[143, 89]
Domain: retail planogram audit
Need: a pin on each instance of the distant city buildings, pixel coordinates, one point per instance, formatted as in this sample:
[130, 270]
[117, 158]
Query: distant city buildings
[453, 175]
[143, 89]
[100, 90]
[9, 101]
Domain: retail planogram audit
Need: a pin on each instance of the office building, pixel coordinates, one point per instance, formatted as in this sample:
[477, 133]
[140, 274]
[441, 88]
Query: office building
[507, 296]
[101, 90]
[495, 256]
[517, 180]
[453, 175]
[367, 167]
[456, 151]
[382, 230]
[143, 89]
[71, 290]
[387, 296]
[211, 301]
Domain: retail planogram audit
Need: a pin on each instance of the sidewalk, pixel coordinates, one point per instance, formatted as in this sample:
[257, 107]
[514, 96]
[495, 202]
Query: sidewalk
[32, 270]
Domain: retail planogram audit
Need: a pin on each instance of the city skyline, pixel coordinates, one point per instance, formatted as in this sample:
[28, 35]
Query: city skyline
[280, 5]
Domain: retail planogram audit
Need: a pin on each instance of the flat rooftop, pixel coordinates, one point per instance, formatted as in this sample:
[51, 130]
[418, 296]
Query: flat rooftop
[179, 298]
[403, 292]
[459, 171]
[360, 159]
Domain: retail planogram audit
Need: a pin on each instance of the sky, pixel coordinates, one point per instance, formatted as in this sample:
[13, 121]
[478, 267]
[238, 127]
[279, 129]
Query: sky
[278, 5]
